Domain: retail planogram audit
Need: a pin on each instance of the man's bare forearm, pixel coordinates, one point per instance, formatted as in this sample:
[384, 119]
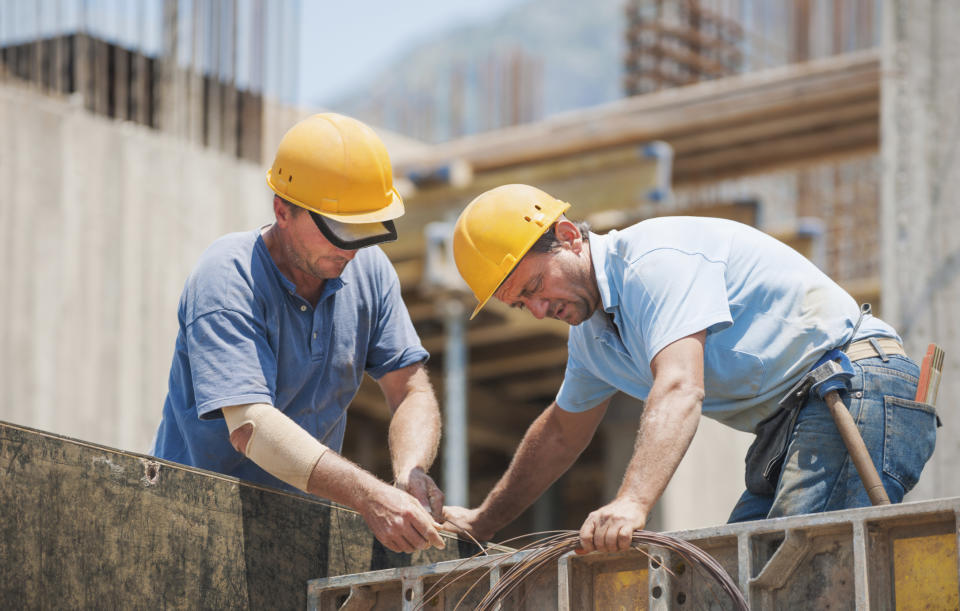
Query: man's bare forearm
[545, 453]
[670, 419]
[338, 479]
[395, 517]
[415, 432]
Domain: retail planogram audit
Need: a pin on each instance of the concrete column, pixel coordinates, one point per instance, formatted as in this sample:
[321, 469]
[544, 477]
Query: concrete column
[920, 213]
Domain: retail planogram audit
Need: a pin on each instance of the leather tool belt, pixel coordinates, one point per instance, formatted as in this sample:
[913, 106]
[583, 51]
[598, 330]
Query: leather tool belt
[764, 459]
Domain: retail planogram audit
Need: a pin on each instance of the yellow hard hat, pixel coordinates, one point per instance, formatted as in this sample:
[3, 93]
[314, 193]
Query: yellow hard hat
[338, 168]
[494, 232]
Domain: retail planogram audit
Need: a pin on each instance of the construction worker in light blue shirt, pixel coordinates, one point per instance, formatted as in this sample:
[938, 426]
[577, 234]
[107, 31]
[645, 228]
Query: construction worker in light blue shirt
[693, 316]
[279, 325]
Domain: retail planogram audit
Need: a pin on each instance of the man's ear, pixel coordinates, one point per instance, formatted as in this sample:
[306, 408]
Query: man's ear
[569, 235]
[281, 210]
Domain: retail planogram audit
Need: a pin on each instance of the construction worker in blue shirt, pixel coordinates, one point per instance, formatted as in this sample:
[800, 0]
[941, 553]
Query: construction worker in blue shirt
[278, 326]
[693, 316]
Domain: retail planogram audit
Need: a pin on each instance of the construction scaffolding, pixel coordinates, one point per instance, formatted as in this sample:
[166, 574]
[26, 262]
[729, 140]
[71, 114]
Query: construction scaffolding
[671, 43]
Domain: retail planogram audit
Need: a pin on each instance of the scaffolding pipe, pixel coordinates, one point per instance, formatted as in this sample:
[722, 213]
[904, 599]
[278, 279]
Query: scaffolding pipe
[455, 405]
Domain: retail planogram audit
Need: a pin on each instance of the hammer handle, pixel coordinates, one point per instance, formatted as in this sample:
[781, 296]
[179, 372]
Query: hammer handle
[857, 449]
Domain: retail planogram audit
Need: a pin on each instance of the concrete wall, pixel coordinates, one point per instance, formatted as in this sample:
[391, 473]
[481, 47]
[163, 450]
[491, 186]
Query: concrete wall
[920, 152]
[100, 223]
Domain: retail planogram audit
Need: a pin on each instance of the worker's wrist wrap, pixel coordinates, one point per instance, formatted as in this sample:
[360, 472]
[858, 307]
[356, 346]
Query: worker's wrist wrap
[277, 444]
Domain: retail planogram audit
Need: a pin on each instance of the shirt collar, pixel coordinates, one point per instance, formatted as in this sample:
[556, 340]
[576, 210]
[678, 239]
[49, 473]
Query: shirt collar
[600, 246]
[331, 286]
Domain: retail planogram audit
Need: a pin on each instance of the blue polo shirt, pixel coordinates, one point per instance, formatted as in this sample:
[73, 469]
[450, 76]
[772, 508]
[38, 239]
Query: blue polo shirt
[770, 314]
[247, 337]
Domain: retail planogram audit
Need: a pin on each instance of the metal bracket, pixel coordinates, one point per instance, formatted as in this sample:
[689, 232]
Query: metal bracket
[784, 561]
[362, 598]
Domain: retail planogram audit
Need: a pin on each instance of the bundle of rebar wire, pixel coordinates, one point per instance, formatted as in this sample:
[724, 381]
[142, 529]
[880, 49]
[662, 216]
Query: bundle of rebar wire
[550, 548]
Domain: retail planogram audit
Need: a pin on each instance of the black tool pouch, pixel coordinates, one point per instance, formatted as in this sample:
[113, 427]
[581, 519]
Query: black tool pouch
[767, 452]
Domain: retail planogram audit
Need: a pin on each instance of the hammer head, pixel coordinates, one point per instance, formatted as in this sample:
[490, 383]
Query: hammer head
[832, 372]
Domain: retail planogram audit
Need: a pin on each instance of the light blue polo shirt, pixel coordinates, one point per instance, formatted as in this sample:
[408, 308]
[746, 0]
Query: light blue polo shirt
[247, 337]
[770, 314]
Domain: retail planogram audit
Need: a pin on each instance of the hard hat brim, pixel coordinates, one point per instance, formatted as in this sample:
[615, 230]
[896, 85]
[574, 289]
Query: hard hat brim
[479, 307]
[392, 211]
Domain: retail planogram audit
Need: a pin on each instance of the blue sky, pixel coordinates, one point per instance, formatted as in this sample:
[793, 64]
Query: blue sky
[344, 43]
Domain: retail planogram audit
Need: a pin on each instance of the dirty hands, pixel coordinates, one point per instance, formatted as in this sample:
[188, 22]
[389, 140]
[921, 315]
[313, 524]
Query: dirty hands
[460, 519]
[399, 521]
[417, 483]
[610, 528]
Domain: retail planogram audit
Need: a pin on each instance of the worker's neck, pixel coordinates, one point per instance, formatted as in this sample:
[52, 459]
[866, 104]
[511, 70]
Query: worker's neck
[592, 281]
[309, 286]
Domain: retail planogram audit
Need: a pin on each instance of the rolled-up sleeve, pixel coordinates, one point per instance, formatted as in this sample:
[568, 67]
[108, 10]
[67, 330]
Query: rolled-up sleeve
[581, 390]
[394, 342]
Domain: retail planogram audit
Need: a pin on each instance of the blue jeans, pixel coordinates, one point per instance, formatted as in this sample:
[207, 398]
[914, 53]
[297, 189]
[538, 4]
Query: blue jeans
[818, 474]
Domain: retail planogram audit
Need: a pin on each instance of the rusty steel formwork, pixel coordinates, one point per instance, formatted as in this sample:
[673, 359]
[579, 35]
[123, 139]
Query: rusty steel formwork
[893, 557]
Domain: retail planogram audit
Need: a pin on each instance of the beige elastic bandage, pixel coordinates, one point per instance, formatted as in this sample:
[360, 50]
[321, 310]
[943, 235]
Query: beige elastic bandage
[277, 444]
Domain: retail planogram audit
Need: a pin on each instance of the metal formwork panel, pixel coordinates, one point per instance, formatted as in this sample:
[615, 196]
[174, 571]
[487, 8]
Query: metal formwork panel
[893, 557]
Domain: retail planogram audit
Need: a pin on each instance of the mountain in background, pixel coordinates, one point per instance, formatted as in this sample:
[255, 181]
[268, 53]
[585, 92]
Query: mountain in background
[535, 60]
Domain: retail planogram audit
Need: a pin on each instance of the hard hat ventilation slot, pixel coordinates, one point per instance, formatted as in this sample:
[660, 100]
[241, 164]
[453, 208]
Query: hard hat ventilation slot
[526, 218]
[537, 206]
[290, 178]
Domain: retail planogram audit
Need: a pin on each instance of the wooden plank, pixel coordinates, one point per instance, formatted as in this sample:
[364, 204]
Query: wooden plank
[85, 526]
[696, 108]
[866, 109]
[542, 386]
[745, 211]
[554, 358]
[478, 336]
[851, 138]
[865, 290]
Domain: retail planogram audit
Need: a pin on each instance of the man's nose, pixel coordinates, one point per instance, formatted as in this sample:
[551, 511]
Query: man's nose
[538, 307]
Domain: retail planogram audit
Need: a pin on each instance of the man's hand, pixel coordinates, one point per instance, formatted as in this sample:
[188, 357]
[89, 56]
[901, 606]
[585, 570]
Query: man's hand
[670, 417]
[460, 519]
[610, 528]
[399, 521]
[423, 488]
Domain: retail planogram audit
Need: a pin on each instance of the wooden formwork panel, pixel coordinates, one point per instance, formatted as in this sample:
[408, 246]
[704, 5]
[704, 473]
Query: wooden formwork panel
[85, 526]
